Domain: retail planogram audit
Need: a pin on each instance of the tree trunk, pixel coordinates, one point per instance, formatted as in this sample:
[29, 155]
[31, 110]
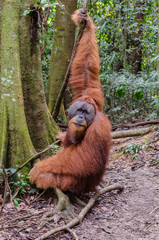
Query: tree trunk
[42, 127]
[136, 56]
[122, 62]
[63, 40]
[1, 4]
[158, 42]
[15, 142]
[21, 72]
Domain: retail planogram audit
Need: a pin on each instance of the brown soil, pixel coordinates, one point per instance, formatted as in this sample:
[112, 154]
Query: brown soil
[130, 215]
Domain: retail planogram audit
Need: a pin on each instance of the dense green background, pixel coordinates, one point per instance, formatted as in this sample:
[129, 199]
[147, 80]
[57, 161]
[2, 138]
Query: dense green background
[127, 33]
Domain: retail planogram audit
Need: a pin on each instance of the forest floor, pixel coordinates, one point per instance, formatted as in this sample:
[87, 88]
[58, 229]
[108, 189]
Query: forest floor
[132, 214]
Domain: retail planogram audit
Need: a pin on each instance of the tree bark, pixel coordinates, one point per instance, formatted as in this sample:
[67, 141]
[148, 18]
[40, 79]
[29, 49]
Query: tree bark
[158, 42]
[42, 127]
[63, 40]
[1, 4]
[136, 55]
[15, 142]
[123, 24]
[25, 121]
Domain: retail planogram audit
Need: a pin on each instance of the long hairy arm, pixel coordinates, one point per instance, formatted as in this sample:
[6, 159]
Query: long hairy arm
[84, 78]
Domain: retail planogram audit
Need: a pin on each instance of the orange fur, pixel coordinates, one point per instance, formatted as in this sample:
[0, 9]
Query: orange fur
[80, 165]
[86, 64]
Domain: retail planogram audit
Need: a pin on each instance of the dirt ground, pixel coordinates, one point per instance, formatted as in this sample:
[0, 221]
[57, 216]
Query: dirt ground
[132, 214]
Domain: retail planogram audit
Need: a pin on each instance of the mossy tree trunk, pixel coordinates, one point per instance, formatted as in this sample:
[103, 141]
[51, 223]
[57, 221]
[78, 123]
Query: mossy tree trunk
[158, 41]
[63, 40]
[19, 68]
[41, 126]
[15, 142]
[1, 4]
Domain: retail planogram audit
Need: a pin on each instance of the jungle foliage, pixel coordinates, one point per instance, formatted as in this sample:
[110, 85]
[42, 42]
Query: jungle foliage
[127, 33]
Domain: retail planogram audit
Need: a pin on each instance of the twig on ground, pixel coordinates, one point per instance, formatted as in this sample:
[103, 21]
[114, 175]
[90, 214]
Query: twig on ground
[156, 209]
[84, 211]
[10, 194]
[17, 226]
[26, 216]
[39, 196]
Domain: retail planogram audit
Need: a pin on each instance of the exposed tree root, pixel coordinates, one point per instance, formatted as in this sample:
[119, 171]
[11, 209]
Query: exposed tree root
[73, 233]
[64, 210]
[63, 203]
[83, 212]
[75, 199]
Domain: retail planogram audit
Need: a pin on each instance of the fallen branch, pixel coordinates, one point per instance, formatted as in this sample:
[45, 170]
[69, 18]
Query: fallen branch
[133, 132]
[135, 124]
[83, 213]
